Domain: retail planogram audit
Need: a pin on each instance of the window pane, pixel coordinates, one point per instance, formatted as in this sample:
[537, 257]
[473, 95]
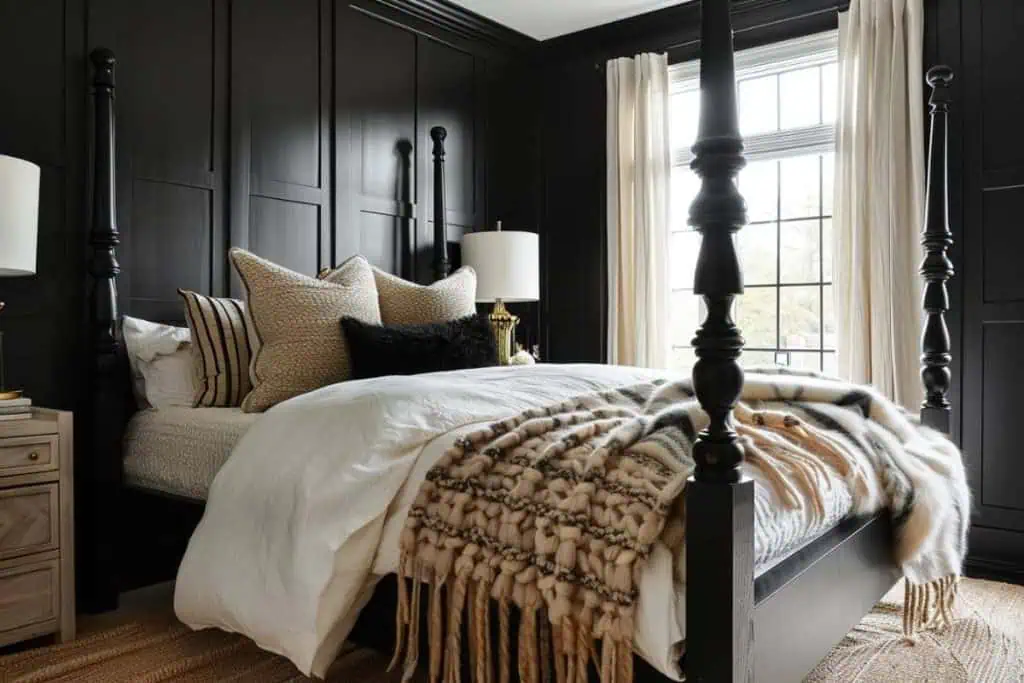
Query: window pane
[685, 112]
[758, 250]
[830, 366]
[685, 185]
[683, 258]
[828, 170]
[759, 105]
[685, 313]
[762, 358]
[829, 316]
[800, 311]
[759, 183]
[799, 185]
[826, 250]
[803, 360]
[800, 257]
[800, 98]
[682, 359]
[755, 315]
[829, 92]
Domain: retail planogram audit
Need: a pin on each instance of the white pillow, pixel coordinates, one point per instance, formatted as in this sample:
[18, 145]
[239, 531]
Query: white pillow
[161, 363]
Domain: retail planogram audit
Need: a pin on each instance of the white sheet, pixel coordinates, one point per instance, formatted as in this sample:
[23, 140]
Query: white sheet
[306, 511]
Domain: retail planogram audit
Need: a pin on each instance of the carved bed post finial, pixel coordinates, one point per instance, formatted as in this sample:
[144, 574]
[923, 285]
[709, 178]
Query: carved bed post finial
[717, 213]
[719, 499]
[937, 269]
[101, 464]
[438, 134]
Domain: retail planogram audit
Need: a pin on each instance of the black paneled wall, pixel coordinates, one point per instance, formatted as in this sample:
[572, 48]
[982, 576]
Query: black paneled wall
[296, 128]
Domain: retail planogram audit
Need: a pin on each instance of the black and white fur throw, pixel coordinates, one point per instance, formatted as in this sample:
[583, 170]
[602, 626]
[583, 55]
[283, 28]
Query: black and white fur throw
[888, 459]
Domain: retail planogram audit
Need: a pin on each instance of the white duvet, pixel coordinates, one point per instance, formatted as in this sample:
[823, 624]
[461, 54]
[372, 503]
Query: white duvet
[304, 517]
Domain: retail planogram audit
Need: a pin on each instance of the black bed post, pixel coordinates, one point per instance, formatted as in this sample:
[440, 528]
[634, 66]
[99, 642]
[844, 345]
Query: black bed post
[937, 269]
[438, 135]
[105, 420]
[719, 500]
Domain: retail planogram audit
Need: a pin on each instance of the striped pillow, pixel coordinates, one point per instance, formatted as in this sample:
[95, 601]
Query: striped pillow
[221, 349]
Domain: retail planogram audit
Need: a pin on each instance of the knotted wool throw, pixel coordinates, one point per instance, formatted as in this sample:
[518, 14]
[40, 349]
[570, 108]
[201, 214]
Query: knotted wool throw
[555, 511]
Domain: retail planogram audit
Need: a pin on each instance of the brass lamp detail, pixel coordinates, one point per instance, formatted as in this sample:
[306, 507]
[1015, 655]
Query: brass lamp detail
[504, 325]
[507, 265]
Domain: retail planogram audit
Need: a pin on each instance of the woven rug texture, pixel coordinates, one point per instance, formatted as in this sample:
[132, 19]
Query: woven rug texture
[984, 644]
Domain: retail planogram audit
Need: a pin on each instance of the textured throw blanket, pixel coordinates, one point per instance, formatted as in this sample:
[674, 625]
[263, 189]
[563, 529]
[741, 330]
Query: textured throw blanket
[555, 511]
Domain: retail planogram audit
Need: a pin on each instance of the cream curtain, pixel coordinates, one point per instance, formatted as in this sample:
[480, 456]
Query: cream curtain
[879, 196]
[639, 165]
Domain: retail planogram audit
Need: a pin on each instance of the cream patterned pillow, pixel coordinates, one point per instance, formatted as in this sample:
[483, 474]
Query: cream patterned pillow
[296, 319]
[406, 303]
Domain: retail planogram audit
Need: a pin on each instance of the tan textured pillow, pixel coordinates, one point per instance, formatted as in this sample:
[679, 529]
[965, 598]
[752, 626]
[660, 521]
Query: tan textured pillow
[407, 303]
[296, 318]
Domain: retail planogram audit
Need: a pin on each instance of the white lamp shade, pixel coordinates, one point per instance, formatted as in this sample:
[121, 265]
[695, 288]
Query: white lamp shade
[19, 216]
[507, 264]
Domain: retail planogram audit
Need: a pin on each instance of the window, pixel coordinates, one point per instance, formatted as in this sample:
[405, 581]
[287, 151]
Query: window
[787, 108]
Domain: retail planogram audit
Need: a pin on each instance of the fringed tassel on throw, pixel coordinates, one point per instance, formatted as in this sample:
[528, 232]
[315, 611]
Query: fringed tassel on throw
[504, 636]
[435, 632]
[528, 654]
[544, 632]
[456, 607]
[928, 606]
[412, 653]
[482, 639]
[402, 613]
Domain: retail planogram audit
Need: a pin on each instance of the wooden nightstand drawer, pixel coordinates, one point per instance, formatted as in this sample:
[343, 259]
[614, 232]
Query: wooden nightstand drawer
[27, 454]
[29, 593]
[29, 520]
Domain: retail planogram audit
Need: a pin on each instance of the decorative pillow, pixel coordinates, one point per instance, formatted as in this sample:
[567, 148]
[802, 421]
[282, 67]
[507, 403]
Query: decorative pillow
[221, 349]
[379, 350]
[160, 357]
[295, 318]
[407, 303]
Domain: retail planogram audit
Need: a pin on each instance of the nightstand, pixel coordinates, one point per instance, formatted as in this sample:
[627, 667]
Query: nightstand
[37, 550]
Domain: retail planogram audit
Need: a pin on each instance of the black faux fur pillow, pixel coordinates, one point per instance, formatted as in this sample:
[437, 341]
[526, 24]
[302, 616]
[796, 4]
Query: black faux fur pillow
[378, 350]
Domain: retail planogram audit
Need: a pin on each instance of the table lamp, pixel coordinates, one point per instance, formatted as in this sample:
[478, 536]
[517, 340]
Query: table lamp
[507, 265]
[19, 224]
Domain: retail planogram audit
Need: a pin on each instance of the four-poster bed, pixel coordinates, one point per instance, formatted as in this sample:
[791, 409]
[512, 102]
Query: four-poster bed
[774, 626]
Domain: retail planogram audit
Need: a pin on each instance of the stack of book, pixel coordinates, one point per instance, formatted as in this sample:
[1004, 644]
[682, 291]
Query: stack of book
[15, 408]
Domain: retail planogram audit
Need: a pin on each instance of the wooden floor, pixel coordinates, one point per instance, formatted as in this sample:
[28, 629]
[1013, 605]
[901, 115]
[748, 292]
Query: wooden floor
[985, 643]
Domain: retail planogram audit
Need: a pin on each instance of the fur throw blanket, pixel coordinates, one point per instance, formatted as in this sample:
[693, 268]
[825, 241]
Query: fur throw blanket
[555, 511]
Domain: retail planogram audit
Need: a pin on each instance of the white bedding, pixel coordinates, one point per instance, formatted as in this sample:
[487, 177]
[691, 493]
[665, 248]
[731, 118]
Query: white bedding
[304, 517]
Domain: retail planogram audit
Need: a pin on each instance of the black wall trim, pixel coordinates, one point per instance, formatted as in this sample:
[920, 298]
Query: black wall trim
[677, 29]
[461, 21]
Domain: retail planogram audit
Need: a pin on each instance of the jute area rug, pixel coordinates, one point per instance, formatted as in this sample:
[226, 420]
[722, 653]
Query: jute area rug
[985, 643]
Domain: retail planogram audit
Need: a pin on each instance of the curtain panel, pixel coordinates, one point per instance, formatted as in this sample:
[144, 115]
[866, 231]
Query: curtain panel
[879, 196]
[639, 168]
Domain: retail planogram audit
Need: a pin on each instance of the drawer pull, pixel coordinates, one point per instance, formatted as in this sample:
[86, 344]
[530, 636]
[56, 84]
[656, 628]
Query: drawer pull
[33, 456]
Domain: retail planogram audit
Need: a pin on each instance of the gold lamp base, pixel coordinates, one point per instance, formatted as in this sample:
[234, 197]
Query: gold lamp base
[503, 324]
